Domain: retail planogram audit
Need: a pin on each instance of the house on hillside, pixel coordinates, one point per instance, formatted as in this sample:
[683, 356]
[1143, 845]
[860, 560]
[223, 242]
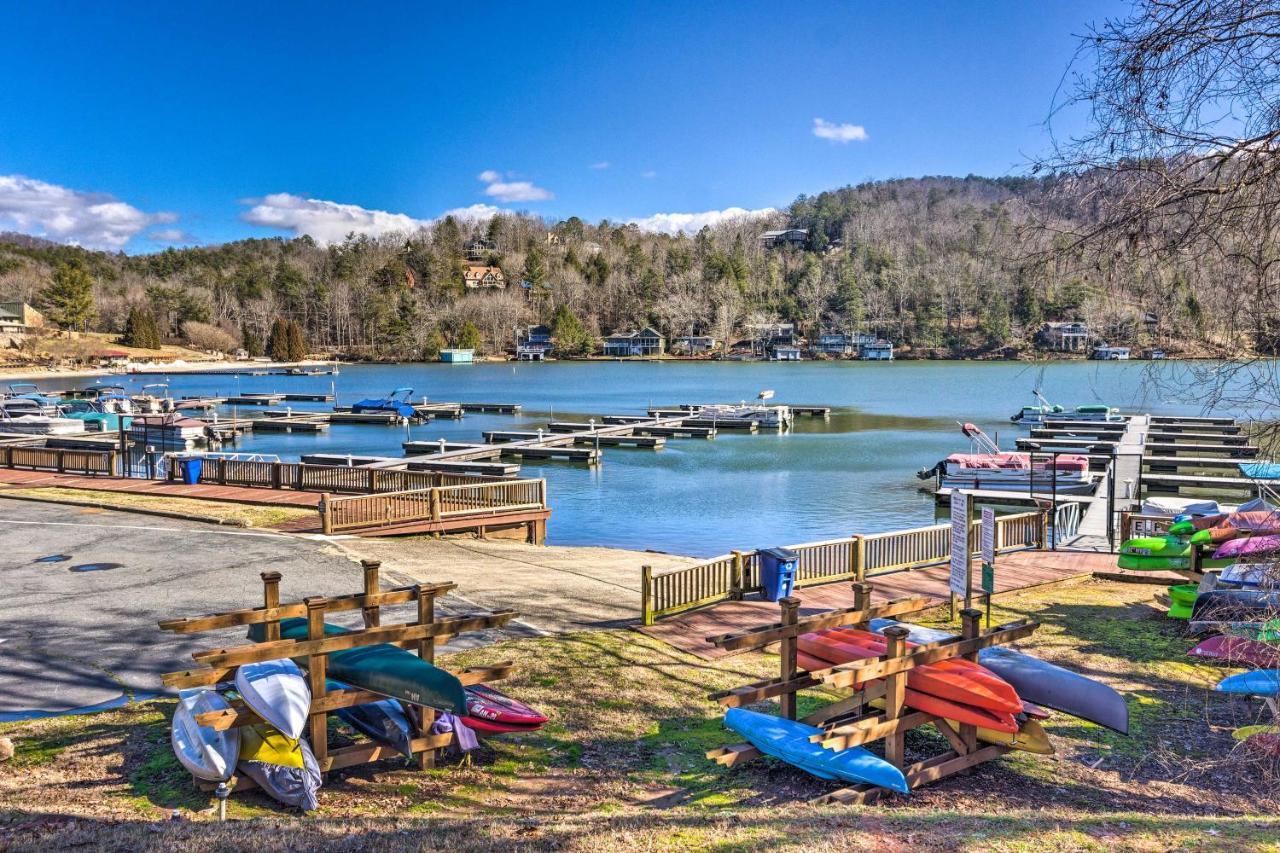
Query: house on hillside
[17, 321]
[533, 343]
[646, 341]
[767, 337]
[784, 237]
[1070, 336]
[1150, 322]
[835, 344]
[695, 344]
[879, 350]
[478, 250]
[477, 277]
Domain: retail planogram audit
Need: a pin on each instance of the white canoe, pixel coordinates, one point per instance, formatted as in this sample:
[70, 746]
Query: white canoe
[277, 692]
[206, 753]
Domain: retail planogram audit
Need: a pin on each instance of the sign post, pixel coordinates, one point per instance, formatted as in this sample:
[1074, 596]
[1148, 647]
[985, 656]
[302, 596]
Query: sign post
[988, 556]
[961, 581]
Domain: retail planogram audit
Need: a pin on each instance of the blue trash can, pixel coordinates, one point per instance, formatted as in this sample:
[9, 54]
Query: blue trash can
[191, 467]
[778, 572]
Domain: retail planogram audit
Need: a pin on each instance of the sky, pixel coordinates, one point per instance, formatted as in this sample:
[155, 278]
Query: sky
[136, 126]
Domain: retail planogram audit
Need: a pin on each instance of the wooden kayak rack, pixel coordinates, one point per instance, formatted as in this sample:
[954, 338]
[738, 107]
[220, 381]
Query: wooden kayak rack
[423, 634]
[853, 720]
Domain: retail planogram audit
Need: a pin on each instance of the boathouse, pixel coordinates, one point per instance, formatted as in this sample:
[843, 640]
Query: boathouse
[876, 351]
[646, 341]
[457, 356]
[835, 343]
[785, 353]
[534, 343]
[477, 277]
[695, 344]
[1103, 352]
[1064, 336]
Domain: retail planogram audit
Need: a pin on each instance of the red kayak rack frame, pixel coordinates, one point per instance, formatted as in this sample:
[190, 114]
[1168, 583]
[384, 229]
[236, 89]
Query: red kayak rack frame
[422, 634]
[853, 720]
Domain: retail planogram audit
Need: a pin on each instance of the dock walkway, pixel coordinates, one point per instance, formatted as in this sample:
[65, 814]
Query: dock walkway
[1016, 571]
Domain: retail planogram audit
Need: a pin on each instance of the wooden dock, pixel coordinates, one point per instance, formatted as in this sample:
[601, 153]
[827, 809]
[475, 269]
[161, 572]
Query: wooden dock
[255, 400]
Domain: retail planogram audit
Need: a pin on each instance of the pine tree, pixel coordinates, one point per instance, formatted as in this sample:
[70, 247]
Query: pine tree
[252, 342]
[570, 335]
[278, 341]
[469, 336]
[68, 298]
[434, 343]
[140, 330]
[295, 342]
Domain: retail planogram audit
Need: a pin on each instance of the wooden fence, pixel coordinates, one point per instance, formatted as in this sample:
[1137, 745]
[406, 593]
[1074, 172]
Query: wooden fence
[731, 576]
[342, 479]
[90, 462]
[432, 504]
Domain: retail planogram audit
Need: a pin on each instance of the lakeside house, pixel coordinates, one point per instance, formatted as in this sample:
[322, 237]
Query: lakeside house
[646, 341]
[17, 321]
[784, 237]
[477, 277]
[534, 343]
[835, 343]
[879, 350]
[695, 344]
[112, 359]
[1070, 336]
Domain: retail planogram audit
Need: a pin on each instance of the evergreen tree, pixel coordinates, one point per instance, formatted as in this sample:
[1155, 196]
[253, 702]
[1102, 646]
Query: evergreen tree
[568, 332]
[434, 343]
[278, 340]
[252, 342]
[140, 330]
[469, 336]
[68, 298]
[295, 342]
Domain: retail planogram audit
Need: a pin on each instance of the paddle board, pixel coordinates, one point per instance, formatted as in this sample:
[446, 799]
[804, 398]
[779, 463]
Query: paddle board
[277, 692]
[788, 741]
[207, 754]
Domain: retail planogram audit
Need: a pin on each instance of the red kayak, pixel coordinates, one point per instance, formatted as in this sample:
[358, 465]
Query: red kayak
[1238, 650]
[491, 711]
[955, 679]
[958, 711]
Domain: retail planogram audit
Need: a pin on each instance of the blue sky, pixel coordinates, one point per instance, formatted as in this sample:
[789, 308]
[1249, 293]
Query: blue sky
[137, 125]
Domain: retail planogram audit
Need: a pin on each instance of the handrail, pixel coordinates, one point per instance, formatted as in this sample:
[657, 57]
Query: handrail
[730, 576]
[63, 461]
[381, 509]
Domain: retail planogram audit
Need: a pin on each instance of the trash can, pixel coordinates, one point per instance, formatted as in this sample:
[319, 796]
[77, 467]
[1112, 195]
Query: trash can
[191, 466]
[778, 572]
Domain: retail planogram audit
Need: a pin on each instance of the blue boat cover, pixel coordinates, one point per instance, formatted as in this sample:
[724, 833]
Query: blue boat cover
[1261, 470]
[788, 741]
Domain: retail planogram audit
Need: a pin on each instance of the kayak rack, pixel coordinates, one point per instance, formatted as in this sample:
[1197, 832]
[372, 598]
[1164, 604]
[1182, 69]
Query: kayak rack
[218, 666]
[854, 720]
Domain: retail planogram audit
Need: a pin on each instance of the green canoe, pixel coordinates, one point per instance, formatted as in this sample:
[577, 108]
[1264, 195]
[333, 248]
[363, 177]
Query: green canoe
[382, 668]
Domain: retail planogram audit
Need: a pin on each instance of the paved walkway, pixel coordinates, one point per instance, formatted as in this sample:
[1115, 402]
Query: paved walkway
[138, 486]
[1016, 571]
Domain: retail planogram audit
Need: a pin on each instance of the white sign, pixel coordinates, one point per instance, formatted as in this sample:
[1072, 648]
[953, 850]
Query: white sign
[988, 536]
[959, 542]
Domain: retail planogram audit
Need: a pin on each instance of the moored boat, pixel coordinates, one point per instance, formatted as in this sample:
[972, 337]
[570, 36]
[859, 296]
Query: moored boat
[989, 467]
[397, 402]
[1046, 411]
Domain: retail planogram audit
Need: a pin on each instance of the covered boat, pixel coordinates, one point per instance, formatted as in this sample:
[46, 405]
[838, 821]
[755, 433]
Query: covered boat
[1046, 411]
[773, 417]
[988, 467]
[397, 401]
[26, 416]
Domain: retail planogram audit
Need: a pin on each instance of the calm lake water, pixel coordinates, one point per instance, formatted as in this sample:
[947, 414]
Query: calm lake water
[854, 473]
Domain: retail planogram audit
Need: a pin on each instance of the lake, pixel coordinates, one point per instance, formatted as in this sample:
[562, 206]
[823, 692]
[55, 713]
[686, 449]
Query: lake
[854, 473]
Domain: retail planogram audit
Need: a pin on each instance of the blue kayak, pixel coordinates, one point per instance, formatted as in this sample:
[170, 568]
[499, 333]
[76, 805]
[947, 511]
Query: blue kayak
[788, 741]
[1260, 682]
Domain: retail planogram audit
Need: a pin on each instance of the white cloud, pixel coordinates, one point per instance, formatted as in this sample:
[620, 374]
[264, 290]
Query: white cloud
[649, 174]
[473, 213]
[326, 221]
[841, 133]
[603, 164]
[691, 223]
[509, 191]
[95, 220]
[170, 235]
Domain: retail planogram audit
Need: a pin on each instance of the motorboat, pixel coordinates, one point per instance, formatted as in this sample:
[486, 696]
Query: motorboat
[111, 399]
[168, 430]
[773, 417]
[26, 416]
[154, 402]
[94, 416]
[986, 466]
[1046, 411]
[30, 391]
[397, 401]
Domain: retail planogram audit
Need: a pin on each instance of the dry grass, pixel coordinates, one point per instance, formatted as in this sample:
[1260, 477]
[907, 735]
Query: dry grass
[621, 767]
[230, 513]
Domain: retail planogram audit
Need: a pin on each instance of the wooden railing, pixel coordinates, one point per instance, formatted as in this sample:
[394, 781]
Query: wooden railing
[90, 462]
[355, 512]
[342, 479]
[731, 576]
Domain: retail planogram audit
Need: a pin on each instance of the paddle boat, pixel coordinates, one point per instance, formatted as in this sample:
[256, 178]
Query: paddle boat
[397, 401]
[989, 467]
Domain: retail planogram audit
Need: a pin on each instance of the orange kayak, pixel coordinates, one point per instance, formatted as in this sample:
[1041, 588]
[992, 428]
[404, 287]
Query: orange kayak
[935, 705]
[956, 679]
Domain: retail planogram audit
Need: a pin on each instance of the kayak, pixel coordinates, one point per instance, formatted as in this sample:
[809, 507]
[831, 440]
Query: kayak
[1039, 681]
[1249, 575]
[1155, 553]
[1235, 605]
[1238, 650]
[207, 754]
[277, 692]
[1246, 732]
[488, 705]
[930, 704]
[383, 721]
[267, 744]
[1260, 682]
[1182, 598]
[956, 679]
[788, 741]
[1247, 546]
[384, 668]
[293, 786]
[1030, 736]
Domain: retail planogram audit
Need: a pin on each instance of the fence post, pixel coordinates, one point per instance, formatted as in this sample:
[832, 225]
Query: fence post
[372, 484]
[326, 514]
[276, 476]
[859, 557]
[895, 638]
[434, 503]
[316, 671]
[426, 598]
[300, 480]
[8, 456]
[542, 493]
[646, 595]
[971, 619]
[787, 655]
[62, 461]
[270, 601]
[736, 576]
[372, 614]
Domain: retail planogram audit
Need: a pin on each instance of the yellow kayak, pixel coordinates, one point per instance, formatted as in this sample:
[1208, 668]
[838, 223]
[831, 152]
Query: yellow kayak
[1246, 732]
[1031, 737]
[263, 743]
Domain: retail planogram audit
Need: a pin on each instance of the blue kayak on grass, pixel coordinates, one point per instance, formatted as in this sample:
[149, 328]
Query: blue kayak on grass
[788, 741]
[1260, 682]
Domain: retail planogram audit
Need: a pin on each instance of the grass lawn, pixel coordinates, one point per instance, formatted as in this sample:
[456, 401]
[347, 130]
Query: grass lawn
[621, 764]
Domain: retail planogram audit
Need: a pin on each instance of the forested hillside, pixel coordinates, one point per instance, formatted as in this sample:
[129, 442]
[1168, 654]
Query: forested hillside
[942, 266]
